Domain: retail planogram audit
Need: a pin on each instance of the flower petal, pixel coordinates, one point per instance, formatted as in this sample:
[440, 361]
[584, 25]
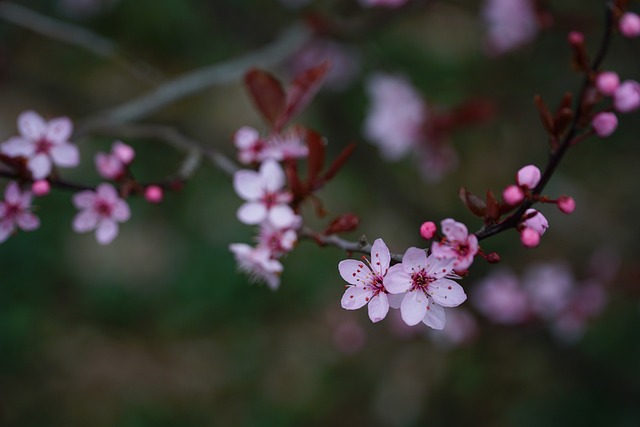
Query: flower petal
[272, 175]
[380, 257]
[414, 259]
[12, 193]
[6, 228]
[355, 297]
[31, 125]
[121, 211]
[108, 193]
[454, 230]
[395, 300]
[282, 216]
[435, 317]
[84, 199]
[59, 130]
[85, 221]
[248, 184]
[40, 166]
[354, 272]
[252, 213]
[27, 221]
[107, 231]
[414, 307]
[378, 307]
[397, 280]
[438, 268]
[447, 293]
[65, 155]
[18, 147]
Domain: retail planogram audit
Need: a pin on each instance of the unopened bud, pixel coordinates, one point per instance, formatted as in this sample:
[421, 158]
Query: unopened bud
[566, 204]
[604, 124]
[630, 25]
[512, 195]
[607, 82]
[123, 152]
[153, 194]
[428, 230]
[529, 238]
[528, 176]
[41, 187]
[493, 258]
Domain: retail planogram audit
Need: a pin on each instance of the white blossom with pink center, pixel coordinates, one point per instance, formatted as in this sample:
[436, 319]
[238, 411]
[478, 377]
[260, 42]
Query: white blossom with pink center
[458, 245]
[15, 212]
[279, 241]
[510, 24]
[113, 165]
[396, 116]
[264, 197]
[101, 210]
[42, 143]
[249, 144]
[366, 280]
[428, 287]
[258, 264]
[501, 299]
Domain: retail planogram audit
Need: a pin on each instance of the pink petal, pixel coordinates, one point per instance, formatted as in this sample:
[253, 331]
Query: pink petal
[435, 317]
[108, 193]
[245, 137]
[252, 213]
[442, 250]
[65, 155]
[107, 231]
[18, 147]
[84, 199]
[355, 297]
[438, 268]
[27, 221]
[354, 272]
[414, 259]
[6, 228]
[272, 175]
[380, 257]
[282, 216]
[31, 125]
[378, 307]
[40, 166]
[121, 211]
[108, 166]
[395, 300]
[397, 280]
[3, 209]
[447, 293]
[59, 130]
[454, 230]
[12, 193]
[248, 184]
[25, 200]
[85, 221]
[414, 307]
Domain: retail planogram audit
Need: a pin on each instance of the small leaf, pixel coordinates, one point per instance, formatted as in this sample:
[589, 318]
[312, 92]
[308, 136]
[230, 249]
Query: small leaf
[302, 91]
[545, 114]
[317, 148]
[298, 190]
[475, 204]
[493, 207]
[342, 224]
[339, 162]
[267, 93]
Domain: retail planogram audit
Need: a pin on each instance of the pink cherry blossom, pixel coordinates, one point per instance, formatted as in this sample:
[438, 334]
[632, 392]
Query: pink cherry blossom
[279, 241]
[42, 144]
[500, 298]
[263, 195]
[101, 210]
[396, 115]
[427, 288]
[258, 264]
[249, 144]
[607, 82]
[366, 280]
[604, 124]
[15, 212]
[510, 24]
[627, 96]
[549, 286]
[113, 165]
[528, 177]
[458, 245]
[630, 25]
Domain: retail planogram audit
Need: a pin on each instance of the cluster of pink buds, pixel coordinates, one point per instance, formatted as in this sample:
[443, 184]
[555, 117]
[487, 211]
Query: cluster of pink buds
[625, 96]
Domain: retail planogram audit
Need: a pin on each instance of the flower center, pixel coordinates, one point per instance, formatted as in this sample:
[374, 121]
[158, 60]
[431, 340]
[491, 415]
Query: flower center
[43, 146]
[103, 208]
[270, 200]
[420, 280]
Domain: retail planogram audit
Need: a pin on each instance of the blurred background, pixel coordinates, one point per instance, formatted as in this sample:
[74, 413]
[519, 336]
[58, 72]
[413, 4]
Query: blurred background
[159, 328]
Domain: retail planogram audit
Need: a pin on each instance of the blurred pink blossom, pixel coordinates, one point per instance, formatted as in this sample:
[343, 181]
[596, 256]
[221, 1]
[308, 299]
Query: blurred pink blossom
[258, 264]
[101, 210]
[501, 299]
[549, 286]
[458, 245]
[114, 164]
[604, 124]
[510, 24]
[15, 212]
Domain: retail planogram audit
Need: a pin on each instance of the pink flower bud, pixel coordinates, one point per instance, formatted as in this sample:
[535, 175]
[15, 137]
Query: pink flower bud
[630, 25]
[109, 166]
[153, 194]
[627, 96]
[512, 195]
[566, 204]
[528, 177]
[529, 238]
[41, 187]
[576, 38]
[123, 152]
[536, 221]
[604, 124]
[428, 230]
[607, 82]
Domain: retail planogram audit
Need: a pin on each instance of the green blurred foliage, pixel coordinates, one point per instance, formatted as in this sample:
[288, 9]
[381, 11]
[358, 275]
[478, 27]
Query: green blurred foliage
[158, 329]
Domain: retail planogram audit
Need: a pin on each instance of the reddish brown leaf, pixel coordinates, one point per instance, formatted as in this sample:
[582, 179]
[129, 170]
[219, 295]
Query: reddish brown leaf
[475, 204]
[342, 224]
[493, 207]
[298, 190]
[267, 93]
[317, 148]
[545, 115]
[302, 91]
[339, 162]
